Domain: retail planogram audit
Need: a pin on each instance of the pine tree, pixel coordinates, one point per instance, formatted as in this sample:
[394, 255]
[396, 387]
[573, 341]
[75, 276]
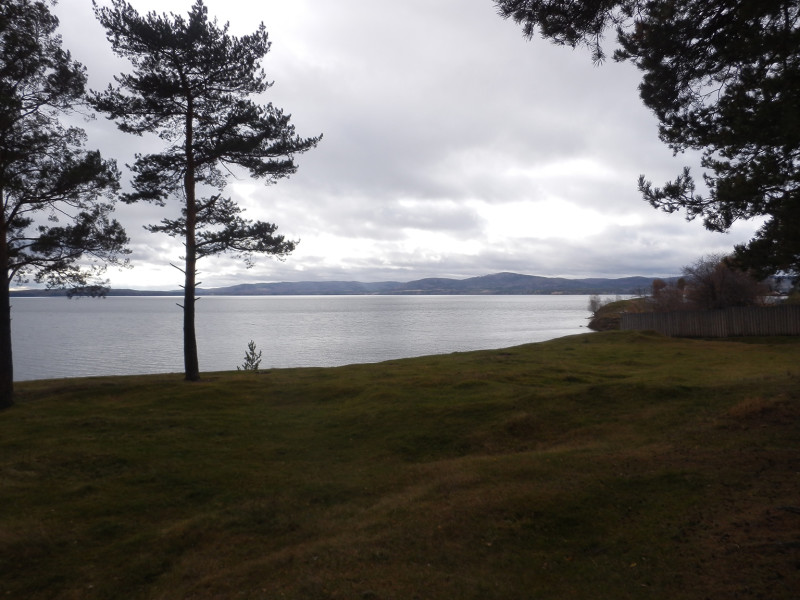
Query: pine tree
[192, 84]
[53, 226]
[723, 78]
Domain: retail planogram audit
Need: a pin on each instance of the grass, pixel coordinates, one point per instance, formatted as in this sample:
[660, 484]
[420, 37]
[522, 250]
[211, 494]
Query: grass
[609, 316]
[611, 465]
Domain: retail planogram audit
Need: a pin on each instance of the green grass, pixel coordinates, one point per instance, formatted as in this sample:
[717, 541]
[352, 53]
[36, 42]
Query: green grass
[609, 316]
[606, 466]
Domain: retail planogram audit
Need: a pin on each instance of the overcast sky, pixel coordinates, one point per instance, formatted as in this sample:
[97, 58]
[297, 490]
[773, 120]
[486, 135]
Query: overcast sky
[452, 147]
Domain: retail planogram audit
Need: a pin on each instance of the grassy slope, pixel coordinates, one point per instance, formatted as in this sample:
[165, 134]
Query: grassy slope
[612, 465]
[609, 316]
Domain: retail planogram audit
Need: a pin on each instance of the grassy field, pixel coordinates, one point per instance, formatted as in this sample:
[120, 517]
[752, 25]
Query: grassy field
[603, 466]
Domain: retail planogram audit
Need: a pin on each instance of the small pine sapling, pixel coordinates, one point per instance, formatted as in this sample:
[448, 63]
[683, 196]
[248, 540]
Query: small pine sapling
[252, 359]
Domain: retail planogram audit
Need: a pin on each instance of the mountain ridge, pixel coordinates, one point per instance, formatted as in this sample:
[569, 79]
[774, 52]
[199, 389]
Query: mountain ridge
[493, 284]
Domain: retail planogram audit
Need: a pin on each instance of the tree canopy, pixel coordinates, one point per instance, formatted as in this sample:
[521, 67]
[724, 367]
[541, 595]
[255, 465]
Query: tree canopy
[57, 197]
[192, 83]
[723, 78]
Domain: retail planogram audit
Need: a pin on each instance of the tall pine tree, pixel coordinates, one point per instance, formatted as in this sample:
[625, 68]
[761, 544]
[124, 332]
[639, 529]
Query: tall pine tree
[723, 78]
[53, 226]
[192, 84]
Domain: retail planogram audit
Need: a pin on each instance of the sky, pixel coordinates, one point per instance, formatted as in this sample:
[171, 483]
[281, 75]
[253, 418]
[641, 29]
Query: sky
[452, 147]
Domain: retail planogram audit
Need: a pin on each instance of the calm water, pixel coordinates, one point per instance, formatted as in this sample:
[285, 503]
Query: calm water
[56, 337]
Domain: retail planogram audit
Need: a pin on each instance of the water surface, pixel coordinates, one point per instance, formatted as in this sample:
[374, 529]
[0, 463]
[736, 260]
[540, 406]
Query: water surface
[57, 337]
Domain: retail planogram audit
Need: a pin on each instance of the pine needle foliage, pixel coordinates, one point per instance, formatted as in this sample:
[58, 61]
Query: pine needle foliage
[192, 83]
[723, 79]
[56, 197]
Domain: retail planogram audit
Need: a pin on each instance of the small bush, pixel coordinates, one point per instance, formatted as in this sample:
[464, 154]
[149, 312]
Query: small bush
[252, 359]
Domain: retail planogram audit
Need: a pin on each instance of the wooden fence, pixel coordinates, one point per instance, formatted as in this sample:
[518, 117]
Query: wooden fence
[728, 322]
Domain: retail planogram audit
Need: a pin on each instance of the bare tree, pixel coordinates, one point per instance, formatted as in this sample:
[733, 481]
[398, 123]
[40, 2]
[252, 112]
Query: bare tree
[714, 281]
[666, 296]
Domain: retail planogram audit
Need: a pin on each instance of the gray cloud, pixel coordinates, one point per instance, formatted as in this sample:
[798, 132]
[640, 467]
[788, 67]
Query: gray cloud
[452, 147]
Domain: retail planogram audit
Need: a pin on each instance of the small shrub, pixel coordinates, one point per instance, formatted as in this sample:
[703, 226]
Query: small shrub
[252, 359]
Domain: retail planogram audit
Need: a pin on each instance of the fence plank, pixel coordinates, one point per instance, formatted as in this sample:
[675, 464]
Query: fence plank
[729, 322]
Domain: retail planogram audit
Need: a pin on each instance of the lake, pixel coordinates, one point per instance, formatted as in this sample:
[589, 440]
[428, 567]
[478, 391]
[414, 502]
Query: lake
[57, 337]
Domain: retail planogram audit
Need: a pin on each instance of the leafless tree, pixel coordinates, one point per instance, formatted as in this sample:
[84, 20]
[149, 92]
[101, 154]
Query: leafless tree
[714, 281]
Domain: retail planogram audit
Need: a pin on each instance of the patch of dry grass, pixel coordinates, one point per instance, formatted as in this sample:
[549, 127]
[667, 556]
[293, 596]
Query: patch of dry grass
[615, 465]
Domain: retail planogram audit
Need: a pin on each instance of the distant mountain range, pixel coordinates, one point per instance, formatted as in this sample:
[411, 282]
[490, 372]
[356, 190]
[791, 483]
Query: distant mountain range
[499, 283]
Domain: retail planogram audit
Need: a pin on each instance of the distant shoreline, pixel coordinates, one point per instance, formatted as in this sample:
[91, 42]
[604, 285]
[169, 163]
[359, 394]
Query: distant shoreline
[496, 284]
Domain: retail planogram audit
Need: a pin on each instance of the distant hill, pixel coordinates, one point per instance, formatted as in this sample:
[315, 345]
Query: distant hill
[499, 283]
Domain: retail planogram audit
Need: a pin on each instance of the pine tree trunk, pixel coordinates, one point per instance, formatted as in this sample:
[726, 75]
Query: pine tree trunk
[191, 364]
[6, 361]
